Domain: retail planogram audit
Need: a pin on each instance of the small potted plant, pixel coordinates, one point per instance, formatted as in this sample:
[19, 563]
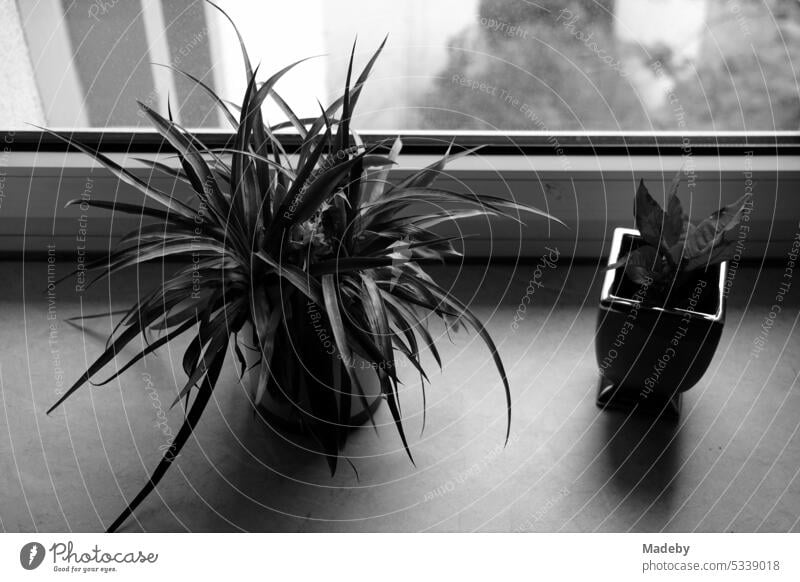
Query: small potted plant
[314, 257]
[662, 304]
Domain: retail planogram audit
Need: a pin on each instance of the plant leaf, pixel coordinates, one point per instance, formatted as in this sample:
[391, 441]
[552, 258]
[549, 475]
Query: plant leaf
[675, 220]
[650, 218]
[641, 263]
[126, 176]
[329, 293]
[710, 231]
[195, 412]
[462, 311]
[266, 319]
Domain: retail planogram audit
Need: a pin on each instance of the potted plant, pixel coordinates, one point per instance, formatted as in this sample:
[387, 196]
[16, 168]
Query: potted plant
[279, 245]
[662, 304]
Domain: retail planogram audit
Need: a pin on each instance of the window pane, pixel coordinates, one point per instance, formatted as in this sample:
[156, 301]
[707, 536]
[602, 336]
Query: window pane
[486, 65]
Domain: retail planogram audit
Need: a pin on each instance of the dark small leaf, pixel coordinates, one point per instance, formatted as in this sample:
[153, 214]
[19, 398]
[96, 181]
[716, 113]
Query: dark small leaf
[640, 264]
[649, 216]
[709, 233]
[675, 220]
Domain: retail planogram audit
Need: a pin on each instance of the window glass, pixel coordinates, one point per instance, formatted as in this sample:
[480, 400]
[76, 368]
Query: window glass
[483, 65]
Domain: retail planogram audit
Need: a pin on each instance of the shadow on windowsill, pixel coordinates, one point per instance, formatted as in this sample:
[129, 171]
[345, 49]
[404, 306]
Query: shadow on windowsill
[642, 457]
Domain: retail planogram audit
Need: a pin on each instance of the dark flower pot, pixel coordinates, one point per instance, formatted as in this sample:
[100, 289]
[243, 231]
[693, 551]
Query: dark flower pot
[651, 348]
[304, 393]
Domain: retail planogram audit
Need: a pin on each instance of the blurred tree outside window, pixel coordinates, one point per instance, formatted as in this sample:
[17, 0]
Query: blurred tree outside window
[480, 65]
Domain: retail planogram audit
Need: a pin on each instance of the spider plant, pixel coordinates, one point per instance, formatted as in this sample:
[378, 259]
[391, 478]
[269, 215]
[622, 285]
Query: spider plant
[268, 234]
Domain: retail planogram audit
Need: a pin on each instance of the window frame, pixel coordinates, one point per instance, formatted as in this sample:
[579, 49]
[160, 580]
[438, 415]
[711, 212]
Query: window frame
[39, 172]
[700, 143]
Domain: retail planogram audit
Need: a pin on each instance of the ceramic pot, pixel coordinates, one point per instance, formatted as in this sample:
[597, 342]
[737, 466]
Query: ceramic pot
[649, 355]
[293, 399]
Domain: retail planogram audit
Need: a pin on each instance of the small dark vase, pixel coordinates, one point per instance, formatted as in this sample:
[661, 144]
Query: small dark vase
[303, 393]
[649, 352]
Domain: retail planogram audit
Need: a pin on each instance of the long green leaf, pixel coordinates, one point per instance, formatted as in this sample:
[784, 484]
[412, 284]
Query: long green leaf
[165, 200]
[192, 418]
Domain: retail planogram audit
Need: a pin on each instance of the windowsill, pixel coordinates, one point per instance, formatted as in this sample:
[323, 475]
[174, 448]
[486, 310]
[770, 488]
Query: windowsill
[568, 465]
